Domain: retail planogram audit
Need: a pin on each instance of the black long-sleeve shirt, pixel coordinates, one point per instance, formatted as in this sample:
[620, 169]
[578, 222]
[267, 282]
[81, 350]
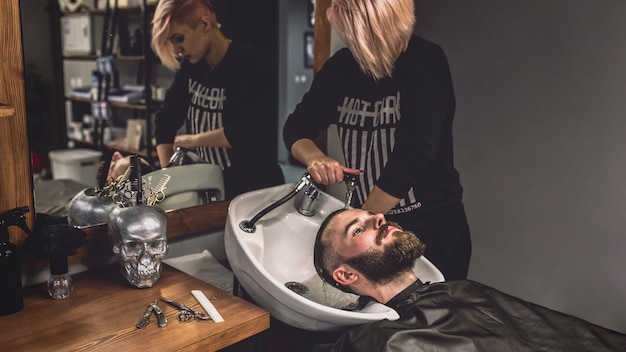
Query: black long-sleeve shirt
[237, 96]
[398, 130]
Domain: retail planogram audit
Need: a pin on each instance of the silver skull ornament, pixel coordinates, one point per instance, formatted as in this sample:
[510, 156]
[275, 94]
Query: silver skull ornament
[139, 240]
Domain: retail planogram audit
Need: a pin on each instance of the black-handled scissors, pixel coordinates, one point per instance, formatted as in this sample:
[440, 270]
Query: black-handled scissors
[186, 313]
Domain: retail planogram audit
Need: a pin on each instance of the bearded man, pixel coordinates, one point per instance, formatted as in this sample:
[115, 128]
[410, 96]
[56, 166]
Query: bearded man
[359, 251]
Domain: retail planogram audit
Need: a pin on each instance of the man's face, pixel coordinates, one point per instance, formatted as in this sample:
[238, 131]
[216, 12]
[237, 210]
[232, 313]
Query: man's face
[356, 231]
[379, 249]
[118, 166]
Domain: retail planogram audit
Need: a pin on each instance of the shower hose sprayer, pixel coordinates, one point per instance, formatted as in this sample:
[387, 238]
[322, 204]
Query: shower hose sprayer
[307, 205]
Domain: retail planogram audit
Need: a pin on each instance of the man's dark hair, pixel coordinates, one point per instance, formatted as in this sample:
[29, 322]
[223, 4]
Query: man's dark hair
[325, 259]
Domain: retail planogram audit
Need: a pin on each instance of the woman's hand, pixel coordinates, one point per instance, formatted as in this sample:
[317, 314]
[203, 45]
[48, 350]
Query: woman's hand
[328, 171]
[324, 170]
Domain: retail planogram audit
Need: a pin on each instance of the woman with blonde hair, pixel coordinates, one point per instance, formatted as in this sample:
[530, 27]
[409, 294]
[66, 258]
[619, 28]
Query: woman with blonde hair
[219, 94]
[391, 96]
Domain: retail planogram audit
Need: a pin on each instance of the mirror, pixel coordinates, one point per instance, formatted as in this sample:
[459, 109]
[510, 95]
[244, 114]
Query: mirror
[273, 26]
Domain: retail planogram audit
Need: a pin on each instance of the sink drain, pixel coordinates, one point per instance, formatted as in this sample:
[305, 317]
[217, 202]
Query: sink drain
[297, 287]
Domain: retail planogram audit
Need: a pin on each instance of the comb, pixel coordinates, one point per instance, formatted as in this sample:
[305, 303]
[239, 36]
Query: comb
[161, 185]
[135, 179]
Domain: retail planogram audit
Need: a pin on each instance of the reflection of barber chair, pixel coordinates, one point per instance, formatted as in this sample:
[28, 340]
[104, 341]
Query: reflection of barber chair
[186, 186]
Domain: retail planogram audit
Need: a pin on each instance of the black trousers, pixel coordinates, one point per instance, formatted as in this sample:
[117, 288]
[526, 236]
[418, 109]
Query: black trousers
[446, 233]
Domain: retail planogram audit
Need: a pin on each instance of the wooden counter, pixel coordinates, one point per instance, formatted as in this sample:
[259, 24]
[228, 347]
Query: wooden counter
[104, 308]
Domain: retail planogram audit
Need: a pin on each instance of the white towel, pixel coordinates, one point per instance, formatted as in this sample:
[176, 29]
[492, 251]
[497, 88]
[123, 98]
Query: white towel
[205, 267]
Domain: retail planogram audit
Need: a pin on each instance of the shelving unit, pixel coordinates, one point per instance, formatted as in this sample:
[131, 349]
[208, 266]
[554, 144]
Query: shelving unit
[133, 64]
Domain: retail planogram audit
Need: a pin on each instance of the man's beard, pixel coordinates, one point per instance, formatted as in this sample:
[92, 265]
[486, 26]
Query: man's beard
[397, 257]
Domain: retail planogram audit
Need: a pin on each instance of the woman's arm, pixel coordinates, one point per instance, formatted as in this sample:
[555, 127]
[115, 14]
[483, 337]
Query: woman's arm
[423, 135]
[326, 170]
[214, 138]
[165, 152]
[379, 201]
[170, 118]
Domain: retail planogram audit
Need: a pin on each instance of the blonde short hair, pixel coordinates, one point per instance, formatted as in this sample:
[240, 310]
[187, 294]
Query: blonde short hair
[375, 31]
[182, 11]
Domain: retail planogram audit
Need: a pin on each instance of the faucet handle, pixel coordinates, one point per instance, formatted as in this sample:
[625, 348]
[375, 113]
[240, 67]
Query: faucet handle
[305, 181]
[351, 180]
[177, 157]
[351, 183]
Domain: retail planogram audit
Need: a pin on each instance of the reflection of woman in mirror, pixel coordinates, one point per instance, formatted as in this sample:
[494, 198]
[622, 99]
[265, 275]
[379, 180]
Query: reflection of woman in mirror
[391, 96]
[219, 93]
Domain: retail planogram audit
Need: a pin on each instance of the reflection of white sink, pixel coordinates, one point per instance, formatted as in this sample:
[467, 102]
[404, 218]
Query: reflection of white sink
[280, 251]
[186, 185]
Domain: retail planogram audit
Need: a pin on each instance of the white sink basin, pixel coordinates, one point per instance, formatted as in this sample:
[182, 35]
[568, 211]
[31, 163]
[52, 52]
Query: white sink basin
[280, 251]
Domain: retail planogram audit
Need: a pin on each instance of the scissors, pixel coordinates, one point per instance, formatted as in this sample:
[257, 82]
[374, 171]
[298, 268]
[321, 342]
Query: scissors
[123, 198]
[155, 196]
[187, 313]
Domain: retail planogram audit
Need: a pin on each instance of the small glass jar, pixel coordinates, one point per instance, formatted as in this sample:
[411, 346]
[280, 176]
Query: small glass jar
[60, 284]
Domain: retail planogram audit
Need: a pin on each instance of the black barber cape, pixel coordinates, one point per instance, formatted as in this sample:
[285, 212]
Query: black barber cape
[469, 316]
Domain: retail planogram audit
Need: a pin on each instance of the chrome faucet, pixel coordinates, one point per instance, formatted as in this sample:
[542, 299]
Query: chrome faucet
[249, 225]
[308, 203]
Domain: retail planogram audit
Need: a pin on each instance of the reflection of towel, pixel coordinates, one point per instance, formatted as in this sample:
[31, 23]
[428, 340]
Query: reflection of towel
[205, 267]
[52, 197]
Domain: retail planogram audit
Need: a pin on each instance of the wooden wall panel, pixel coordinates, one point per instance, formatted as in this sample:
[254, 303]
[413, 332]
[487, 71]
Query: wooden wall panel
[16, 181]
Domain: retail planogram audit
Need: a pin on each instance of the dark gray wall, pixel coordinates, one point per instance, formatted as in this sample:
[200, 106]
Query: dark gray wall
[294, 78]
[540, 147]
